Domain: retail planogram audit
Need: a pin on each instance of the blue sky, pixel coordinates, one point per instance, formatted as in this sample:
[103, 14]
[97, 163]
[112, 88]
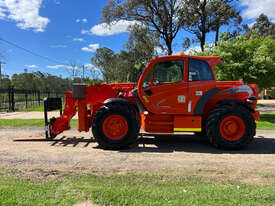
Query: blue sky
[69, 31]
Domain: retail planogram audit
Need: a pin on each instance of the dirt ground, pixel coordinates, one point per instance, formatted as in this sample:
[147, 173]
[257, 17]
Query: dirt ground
[74, 152]
[269, 106]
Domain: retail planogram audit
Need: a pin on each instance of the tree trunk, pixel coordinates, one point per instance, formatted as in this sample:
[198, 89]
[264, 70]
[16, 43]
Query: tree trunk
[203, 36]
[217, 35]
[203, 22]
[169, 46]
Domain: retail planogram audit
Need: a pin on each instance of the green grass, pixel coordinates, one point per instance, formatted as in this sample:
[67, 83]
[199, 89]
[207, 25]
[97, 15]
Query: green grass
[132, 189]
[34, 109]
[28, 122]
[267, 122]
[31, 109]
[259, 105]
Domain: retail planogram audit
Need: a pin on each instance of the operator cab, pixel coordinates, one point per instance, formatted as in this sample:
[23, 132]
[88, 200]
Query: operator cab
[174, 84]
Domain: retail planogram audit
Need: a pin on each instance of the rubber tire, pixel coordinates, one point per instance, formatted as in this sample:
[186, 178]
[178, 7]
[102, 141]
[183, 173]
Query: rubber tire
[213, 127]
[133, 127]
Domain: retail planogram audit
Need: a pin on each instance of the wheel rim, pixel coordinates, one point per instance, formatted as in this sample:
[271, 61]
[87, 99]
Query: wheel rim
[232, 128]
[115, 127]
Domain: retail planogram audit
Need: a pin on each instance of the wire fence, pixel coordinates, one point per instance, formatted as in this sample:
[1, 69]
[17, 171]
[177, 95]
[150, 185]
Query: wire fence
[15, 99]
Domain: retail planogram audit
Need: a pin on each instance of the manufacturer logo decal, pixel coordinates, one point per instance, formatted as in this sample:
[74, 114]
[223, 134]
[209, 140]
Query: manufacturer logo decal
[181, 99]
[198, 93]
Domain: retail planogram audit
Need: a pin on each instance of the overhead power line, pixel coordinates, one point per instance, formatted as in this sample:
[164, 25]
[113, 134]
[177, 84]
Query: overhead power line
[31, 52]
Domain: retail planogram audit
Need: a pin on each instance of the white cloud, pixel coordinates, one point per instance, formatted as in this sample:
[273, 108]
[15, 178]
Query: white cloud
[251, 24]
[83, 31]
[90, 48]
[158, 50]
[78, 39]
[81, 20]
[60, 66]
[255, 7]
[58, 46]
[2, 12]
[192, 50]
[32, 66]
[91, 67]
[25, 13]
[115, 27]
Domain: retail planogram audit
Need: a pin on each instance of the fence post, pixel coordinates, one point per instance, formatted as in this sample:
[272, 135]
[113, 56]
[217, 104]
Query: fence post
[11, 99]
[9, 93]
[26, 98]
[38, 96]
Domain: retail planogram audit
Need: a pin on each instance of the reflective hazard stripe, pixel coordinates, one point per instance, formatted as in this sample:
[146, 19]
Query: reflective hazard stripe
[187, 129]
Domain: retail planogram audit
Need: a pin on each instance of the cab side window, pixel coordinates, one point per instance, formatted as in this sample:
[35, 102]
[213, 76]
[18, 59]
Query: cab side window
[199, 70]
[168, 72]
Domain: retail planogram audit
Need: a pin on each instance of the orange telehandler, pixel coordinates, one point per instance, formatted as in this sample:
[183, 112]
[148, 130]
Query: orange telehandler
[177, 93]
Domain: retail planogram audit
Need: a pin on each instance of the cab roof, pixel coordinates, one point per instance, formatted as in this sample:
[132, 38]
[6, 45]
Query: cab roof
[211, 60]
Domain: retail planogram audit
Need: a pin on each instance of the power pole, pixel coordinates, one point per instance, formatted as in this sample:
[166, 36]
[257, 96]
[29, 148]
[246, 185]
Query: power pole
[1, 72]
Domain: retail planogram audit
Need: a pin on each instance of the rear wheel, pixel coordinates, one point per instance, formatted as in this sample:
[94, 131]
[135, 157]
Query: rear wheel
[115, 126]
[230, 127]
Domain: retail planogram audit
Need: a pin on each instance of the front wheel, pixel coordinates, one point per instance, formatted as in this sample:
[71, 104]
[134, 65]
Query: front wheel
[230, 127]
[115, 126]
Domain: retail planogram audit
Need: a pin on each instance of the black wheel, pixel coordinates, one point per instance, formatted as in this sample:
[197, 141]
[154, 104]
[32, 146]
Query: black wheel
[115, 126]
[230, 127]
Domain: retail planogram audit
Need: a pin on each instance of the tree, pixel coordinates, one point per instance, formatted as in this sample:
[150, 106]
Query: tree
[223, 14]
[141, 46]
[43, 82]
[105, 60]
[74, 70]
[252, 60]
[196, 14]
[127, 65]
[5, 82]
[160, 16]
[204, 16]
[264, 27]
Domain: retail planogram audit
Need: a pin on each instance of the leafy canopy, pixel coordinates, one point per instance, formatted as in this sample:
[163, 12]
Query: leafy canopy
[252, 60]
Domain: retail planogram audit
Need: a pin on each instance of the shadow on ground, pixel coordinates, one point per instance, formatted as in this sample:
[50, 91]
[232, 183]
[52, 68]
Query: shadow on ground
[197, 144]
[169, 144]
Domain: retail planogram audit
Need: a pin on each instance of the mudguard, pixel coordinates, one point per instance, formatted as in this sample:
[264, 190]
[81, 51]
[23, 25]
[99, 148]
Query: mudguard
[235, 101]
[120, 101]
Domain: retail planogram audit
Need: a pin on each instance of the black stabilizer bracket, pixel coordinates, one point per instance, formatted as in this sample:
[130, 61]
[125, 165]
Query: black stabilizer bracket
[51, 104]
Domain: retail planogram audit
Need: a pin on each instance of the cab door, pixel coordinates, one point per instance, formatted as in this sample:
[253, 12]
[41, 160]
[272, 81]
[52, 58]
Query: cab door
[164, 90]
[201, 85]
